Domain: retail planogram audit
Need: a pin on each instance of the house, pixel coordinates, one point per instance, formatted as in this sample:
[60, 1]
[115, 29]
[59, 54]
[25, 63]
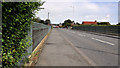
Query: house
[89, 22]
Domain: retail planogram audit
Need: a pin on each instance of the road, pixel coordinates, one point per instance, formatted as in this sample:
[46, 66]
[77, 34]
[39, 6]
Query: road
[100, 49]
[92, 49]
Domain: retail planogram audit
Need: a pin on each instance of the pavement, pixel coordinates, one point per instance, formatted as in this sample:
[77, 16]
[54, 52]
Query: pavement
[58, 52]
[77, 48]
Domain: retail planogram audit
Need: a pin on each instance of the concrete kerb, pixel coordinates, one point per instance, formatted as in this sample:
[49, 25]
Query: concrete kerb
[36, 52]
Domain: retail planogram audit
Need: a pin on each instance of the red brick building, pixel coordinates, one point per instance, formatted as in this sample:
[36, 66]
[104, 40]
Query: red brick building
[89, 22]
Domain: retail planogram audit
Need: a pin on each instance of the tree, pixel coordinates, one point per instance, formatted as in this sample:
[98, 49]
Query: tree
[67, 23]
[42, 21]
[78, 23]
[118, 23]
[103, 23]
[47, 22]
[38, 20]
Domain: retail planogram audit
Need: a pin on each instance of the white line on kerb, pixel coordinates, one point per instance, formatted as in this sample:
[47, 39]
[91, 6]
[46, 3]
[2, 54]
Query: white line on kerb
[103, 41]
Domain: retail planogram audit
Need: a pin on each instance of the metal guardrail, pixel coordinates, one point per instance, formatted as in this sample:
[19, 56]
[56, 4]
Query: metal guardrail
[113, 30]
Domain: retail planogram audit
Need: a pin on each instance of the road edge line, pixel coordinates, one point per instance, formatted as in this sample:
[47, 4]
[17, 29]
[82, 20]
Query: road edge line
[102, 41]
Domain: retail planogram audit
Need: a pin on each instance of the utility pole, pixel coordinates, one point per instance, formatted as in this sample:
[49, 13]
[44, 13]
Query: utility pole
[48, 15]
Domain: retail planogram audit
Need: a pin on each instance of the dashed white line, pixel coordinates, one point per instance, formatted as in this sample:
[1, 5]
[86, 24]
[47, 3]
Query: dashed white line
[103, 41]
[90, 61]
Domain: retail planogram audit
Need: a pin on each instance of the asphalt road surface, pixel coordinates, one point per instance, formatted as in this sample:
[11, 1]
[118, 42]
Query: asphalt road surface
[92, 49]
[103, 51]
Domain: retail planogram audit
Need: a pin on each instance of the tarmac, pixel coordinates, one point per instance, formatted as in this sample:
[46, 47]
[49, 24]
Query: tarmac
[58, 51]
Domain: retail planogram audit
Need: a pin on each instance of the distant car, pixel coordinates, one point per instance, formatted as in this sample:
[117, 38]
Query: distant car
[57, 26]
[54, 26]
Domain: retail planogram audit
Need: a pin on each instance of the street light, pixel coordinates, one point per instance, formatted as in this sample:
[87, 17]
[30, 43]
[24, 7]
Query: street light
[48, 15]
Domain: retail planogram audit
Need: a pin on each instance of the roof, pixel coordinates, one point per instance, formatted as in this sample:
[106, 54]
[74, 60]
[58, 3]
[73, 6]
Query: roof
[89, 22]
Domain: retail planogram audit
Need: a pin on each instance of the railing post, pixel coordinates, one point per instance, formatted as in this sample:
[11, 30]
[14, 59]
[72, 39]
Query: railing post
[30, 35]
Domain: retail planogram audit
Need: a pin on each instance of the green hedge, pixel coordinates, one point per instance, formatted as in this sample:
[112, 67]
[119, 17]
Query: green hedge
[113, 29]
[96, 25]
[16, 17]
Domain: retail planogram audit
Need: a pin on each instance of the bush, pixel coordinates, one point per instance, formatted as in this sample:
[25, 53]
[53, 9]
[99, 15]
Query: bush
[16, 17]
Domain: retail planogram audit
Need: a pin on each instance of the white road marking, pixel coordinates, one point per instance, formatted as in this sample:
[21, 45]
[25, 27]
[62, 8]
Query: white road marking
[103, 41]
[90, 61]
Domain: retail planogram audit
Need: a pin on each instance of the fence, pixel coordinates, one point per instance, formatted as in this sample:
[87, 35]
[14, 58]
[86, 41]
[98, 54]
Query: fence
[99, 29]
[37, 32]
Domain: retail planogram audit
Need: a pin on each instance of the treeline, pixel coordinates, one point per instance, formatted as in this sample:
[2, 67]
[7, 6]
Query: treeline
[70, 23]
[46, 22]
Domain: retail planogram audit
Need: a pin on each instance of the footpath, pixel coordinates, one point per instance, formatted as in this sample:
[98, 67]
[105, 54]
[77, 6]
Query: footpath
[58, 52]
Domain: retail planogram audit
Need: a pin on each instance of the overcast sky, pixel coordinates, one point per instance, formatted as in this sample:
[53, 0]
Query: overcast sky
[80, 10]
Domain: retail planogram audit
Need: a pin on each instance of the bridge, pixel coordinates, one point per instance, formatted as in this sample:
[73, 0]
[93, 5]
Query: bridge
[66, 47]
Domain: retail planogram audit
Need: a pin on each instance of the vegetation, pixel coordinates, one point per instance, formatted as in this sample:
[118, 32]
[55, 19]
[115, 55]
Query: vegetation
[38, 20]
[77, 23]
[109, 29]
[67, 23]
[118, 23]
[16, 21]
[96, 25]
[47, 21]
[103, 23]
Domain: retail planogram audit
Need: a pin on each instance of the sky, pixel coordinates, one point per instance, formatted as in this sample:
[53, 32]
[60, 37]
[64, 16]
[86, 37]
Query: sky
[80, 10]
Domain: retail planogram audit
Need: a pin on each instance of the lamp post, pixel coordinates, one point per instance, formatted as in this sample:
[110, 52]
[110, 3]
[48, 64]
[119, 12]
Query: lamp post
[48, 15]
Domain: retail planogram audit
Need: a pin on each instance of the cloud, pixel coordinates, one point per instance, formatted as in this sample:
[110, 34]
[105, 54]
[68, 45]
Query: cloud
[87, 16]
[108, 16]
[59, 11]
[66, 0]
[91, 6]
[104, 20]
[81, 0]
